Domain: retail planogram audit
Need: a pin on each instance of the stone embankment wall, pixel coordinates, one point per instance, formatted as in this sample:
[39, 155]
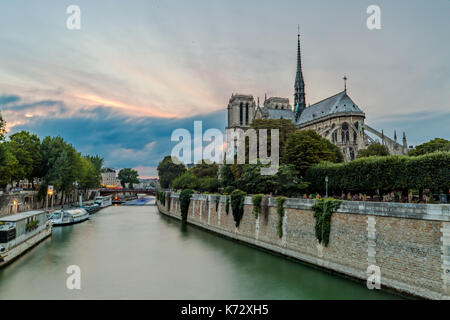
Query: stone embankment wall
[18, 202]
[410, 243]
[11, 203]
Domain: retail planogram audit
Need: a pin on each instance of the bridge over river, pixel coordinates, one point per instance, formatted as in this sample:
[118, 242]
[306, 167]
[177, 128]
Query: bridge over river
[133, 252]
[108, 191]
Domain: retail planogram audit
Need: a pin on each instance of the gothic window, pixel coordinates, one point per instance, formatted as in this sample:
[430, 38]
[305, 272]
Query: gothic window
[246, 113]
[345, 133]
[334, 136]
[355, 137]
[240, 113]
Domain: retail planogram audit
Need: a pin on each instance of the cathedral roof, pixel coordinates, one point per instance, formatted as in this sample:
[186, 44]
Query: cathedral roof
[280, 114]
[339, 103]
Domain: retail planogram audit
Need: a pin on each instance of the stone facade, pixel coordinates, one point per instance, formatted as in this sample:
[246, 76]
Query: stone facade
[408, 242]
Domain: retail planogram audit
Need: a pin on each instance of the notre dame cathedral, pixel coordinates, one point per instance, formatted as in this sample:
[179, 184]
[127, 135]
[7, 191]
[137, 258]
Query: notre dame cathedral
[336, 118]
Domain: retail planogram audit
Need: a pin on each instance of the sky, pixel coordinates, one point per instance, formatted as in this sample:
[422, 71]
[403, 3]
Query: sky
[137, 70]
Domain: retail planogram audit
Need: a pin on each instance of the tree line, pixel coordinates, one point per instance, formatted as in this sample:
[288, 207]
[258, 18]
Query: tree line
[52, 161]
[306, 159]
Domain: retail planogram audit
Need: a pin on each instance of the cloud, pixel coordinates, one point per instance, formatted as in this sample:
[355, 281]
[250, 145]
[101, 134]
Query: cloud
[121, 139]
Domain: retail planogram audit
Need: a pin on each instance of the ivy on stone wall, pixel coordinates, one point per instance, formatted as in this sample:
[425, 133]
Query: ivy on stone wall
[280, 211]
[185, 200]
[323, 209]
[256, 200]
[217, 202]
[227, 204]
[237, 205]
[161, 196]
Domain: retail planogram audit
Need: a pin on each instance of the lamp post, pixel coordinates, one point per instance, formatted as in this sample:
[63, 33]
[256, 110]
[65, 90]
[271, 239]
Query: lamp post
[326, 186]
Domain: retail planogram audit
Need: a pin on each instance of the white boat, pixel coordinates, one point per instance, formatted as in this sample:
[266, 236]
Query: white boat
[65, 217]
[21, 231]
[103, 201]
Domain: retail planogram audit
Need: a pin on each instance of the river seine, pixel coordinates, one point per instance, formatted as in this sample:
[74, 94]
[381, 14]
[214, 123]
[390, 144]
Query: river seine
[133, 252]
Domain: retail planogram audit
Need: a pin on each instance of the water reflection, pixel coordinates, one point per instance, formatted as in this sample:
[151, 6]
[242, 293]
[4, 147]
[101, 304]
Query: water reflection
[133, 252]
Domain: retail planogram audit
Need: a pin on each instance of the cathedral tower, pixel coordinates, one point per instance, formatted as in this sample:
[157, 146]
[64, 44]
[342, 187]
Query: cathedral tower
[241, 111]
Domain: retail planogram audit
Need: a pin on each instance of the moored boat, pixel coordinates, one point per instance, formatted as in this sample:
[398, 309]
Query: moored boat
[21, 231]
[70, 216]
[91, 208]
[103, 201]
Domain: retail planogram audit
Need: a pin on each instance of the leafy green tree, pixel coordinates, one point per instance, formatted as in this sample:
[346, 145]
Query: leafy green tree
[26, 148]
[209, 184]
[89, 176]
[287, 181]
[61, 165]
[8, 164]
[189, 181]
[226, 176]
[339, 157]
[201, 170]
[374, 149]
[2, 128]
[252, 181]
[96, 161]
[168, 171]
[431, 146]
[186, 181]
[285, 126]
[305, 148]
[128, 175]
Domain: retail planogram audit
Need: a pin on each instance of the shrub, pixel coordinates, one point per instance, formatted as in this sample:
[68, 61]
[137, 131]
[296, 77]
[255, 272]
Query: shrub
[256, 200]
[382, 174]
[237, 205]
[186, 181]
[161, 196]
[228, 189]
[185, 200]
[280, 211]
[227, 205]
[323, 209]
[32, 225]
[209, 184]
[217, 202]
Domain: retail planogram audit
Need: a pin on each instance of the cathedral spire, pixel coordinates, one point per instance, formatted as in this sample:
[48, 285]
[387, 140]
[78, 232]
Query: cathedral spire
[299, 85]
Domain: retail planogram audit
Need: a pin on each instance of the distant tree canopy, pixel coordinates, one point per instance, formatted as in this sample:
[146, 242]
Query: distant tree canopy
[128, 175]
[375, 149]
[431, 146]
[202, 170]
[201, 177]
[168, 171]
[285, 127]
[305, 148]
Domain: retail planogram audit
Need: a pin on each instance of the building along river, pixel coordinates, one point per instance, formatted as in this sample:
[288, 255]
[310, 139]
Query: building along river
[133, 252]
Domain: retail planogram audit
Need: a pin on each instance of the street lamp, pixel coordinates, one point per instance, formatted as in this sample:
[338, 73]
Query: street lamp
[326, 186]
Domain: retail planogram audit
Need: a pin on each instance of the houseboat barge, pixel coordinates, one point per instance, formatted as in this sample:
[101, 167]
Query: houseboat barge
[20, 232]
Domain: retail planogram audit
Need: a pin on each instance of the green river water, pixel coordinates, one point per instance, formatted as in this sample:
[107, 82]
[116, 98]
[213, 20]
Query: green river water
[133, 252]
